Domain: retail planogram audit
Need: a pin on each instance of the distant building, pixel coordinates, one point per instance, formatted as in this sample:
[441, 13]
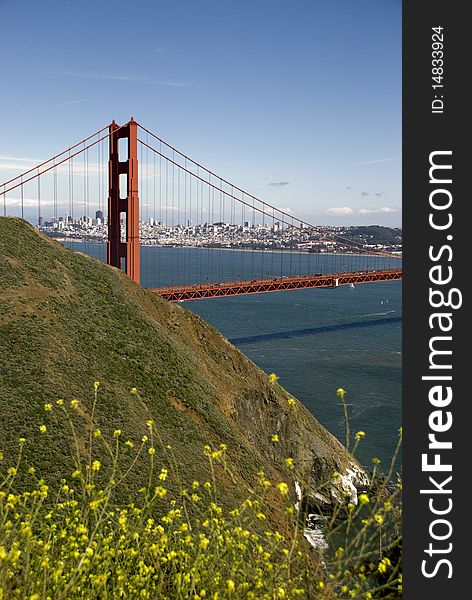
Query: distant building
[99, 215]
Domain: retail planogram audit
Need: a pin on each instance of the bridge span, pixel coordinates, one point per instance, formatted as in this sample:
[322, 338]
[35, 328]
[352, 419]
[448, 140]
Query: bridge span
[278, 284]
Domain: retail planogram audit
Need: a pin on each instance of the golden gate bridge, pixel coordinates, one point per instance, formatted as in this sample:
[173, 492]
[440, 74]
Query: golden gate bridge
[155, 195]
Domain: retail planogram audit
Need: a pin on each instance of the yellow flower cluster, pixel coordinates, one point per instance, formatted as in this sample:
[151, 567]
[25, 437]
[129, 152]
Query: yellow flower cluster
[78, 543]
[86, 538]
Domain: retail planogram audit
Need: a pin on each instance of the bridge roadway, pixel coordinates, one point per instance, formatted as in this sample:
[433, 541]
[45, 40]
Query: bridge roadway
[262, 286]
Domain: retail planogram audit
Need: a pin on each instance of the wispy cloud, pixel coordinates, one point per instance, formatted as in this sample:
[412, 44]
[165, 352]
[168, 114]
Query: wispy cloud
[126, 77]
[19, 158]
[340, 210]
[279, 183]
[16, 163]
[52, 106]
[347, 210]
[376, 161]
[372, 211]
[29, 202]
[71, 102]
[168, 208]
[77, 168]
[20, 163]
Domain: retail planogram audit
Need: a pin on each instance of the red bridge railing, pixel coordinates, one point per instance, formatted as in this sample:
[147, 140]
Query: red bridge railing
[262, 286]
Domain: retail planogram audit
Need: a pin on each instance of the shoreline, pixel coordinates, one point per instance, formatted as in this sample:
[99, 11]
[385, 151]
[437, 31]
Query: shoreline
[395, 255]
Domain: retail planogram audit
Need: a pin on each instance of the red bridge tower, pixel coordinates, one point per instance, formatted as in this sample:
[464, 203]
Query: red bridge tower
[124, 254]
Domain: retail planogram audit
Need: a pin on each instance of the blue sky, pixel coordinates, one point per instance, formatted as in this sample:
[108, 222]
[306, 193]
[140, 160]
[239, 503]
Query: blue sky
[298, 102]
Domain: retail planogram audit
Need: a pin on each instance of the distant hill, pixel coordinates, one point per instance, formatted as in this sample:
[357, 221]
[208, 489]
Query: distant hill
[67, 320]
[374, 234]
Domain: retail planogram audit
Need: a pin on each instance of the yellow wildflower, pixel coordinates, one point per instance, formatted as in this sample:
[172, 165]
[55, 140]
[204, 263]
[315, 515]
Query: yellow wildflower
[160, 491]
[283, 488]
[384, 564]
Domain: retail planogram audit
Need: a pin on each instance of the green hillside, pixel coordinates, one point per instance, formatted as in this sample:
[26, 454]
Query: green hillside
[67, 320]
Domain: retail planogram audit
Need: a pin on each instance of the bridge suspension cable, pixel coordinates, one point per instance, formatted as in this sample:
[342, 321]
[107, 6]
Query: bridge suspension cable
[284, 215]
[53, 158]
[55, 164]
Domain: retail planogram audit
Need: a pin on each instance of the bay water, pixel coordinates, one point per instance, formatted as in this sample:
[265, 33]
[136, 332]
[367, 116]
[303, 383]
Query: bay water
[315, 340]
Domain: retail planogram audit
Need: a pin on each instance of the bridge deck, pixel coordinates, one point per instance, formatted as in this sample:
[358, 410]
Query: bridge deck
[262, 286]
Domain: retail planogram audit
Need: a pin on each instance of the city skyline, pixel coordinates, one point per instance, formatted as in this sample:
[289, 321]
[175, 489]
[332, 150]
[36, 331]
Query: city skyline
[250, 234]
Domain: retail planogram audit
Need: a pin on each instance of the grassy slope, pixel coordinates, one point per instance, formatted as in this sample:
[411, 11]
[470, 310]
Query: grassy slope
[67, 320]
